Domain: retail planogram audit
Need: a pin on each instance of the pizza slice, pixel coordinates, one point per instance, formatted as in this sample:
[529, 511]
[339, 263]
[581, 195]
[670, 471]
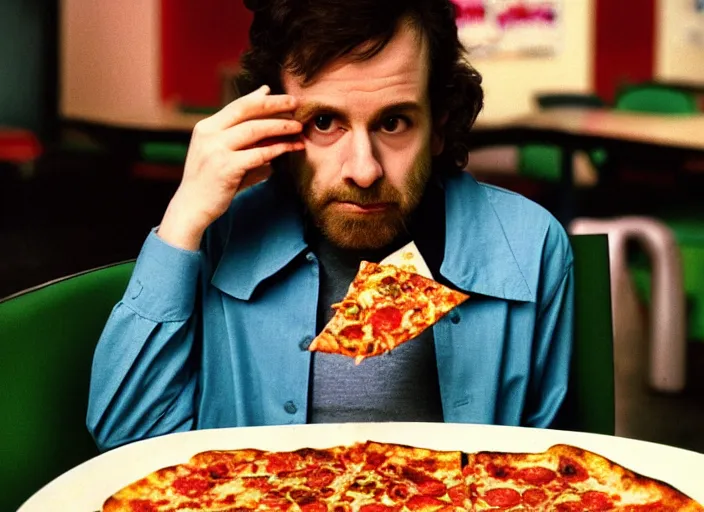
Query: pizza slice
[385, 306]
[565, 479]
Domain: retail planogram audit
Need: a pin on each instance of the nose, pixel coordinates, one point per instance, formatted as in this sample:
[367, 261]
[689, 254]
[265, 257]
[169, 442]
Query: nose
[362, 165]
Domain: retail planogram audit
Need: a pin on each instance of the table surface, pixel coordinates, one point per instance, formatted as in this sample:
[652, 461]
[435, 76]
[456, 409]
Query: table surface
[676, 131]
[162, 120]
[84, 488]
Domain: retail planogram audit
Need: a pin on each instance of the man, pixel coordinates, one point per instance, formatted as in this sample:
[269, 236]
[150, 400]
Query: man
[363, 109]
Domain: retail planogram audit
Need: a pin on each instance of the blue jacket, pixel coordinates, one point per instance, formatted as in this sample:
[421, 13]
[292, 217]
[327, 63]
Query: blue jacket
[218, 337]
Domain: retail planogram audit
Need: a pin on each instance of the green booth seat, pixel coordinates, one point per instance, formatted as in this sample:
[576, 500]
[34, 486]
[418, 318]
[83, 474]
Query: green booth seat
[48, 336]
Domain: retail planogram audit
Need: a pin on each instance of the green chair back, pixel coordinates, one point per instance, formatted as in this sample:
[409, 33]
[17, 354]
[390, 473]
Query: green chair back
[173, 153]
[47, 338]
[591, 404]
[544, 161]
[656, 99]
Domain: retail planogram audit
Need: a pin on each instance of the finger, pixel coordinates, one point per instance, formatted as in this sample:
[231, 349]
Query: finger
[256, 157]
[252, 106]
[252, 132]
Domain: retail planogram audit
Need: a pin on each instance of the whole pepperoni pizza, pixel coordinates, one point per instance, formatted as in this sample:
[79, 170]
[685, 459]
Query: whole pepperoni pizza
[384, 477]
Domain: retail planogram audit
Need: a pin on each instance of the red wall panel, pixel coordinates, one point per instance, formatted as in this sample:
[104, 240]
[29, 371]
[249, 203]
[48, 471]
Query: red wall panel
[625, 44]
[197, 39]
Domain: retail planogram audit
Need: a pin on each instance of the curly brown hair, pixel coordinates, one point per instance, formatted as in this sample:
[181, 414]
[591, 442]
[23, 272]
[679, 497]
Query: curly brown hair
[303, 36]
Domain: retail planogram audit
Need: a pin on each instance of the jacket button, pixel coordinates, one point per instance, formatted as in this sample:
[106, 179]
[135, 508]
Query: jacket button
[290, 407]
[310, 257]
[454, 317]
[306, 343]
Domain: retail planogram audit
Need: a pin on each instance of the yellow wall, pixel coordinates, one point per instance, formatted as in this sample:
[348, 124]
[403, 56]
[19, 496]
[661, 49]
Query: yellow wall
[680, 42]
[511, 82]
[110, 60]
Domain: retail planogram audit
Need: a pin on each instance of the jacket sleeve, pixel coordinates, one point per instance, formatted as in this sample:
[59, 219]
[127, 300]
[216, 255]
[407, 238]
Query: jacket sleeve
[143, 381]
[552, 353]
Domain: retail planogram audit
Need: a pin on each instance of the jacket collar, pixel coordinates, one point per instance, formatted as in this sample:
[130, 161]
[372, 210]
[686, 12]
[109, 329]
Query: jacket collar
[267, 234]
[478, 255]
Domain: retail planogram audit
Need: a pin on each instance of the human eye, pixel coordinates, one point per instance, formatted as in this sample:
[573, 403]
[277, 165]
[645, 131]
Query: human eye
[395, 124]
[324, 123]
[324, 129]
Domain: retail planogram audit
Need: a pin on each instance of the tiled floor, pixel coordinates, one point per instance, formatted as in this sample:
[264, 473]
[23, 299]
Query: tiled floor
[76, 214]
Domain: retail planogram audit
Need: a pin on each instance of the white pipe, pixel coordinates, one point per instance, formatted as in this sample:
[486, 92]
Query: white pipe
[668, 345]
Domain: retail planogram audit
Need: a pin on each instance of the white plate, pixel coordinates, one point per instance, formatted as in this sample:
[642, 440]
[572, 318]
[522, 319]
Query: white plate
[85, 488]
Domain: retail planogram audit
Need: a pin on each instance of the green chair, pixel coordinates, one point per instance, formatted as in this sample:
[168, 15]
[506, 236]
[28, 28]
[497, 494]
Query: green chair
[687, 228]
[590, 405]
[655, 99]
[172, 153]
[544, 161]
[47, 338]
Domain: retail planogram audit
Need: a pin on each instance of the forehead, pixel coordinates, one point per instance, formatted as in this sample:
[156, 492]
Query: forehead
[398, 73]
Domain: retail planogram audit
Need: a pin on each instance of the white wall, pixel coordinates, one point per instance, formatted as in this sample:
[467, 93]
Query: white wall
[680, 42]
[510, 83]
[110, 51]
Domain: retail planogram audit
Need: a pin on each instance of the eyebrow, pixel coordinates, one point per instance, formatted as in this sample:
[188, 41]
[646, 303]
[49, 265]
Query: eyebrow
[306, 111]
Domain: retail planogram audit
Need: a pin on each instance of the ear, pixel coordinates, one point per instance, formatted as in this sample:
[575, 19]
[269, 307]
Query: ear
[437, 137]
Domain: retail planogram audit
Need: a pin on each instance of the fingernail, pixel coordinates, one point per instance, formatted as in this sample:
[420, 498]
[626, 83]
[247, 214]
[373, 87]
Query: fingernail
[264, 89]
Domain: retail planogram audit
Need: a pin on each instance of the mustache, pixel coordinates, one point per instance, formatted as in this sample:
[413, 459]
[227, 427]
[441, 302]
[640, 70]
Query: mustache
[377, 193]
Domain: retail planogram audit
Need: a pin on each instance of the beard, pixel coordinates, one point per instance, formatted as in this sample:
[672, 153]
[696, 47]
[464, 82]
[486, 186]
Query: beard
[363, 231]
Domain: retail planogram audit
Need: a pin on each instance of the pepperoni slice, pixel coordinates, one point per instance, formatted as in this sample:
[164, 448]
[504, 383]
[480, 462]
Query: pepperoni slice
[596, 501]
[352, 332]
[423, 503]
[142, 506]
[321, 477]
[496, 471]
[374, 460]
[326, 492]
[398, 492]
[431, 488]
[458, 495]
[314, 507]
[280, 462]
[502, 497]
[534, 497]
[191, 487]
[536, 475]
[569, 506]
[376, 507]
[571, 470]
[386, 319]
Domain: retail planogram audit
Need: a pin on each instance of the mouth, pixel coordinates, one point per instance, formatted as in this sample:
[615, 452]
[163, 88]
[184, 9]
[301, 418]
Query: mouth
[363, 209]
